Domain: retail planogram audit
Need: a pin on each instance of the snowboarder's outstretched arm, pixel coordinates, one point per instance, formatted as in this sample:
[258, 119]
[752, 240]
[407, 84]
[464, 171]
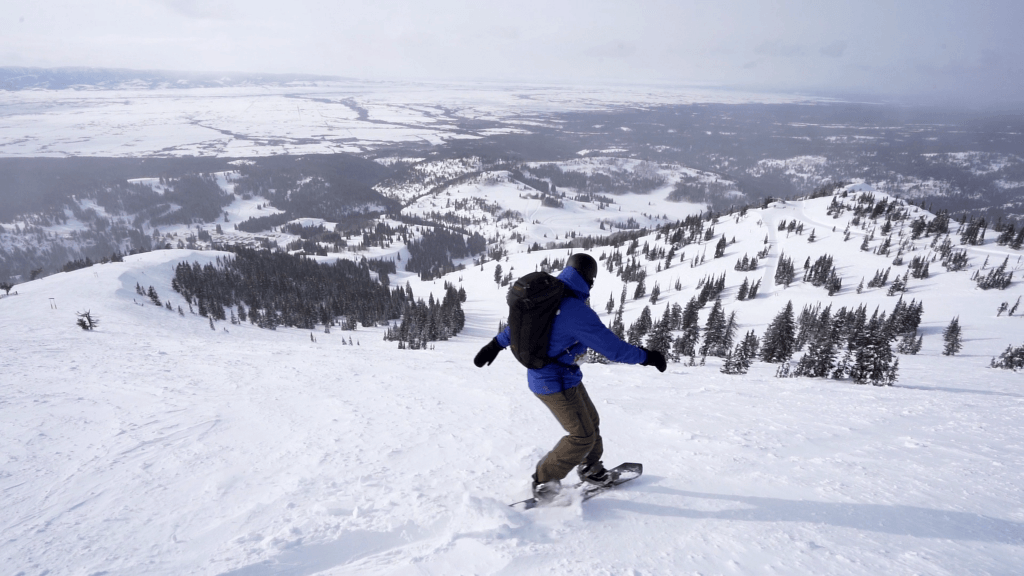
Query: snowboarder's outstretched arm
[488, 353]
[592, 333]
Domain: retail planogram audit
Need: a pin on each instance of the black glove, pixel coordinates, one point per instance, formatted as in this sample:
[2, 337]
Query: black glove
[656, 359]
[488, 353]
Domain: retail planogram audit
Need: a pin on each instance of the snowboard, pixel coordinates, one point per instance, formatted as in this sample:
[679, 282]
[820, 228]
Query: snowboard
[623, 473]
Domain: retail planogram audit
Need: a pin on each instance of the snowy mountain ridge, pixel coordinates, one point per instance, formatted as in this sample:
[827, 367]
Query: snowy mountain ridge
[156, 445]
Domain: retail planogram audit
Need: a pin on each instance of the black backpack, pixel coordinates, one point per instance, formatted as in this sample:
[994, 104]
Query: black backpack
[533, 303]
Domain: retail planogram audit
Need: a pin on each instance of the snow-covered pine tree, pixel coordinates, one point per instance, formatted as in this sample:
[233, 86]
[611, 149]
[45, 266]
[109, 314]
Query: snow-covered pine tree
[748, 349]
[730, 333]
[1018, 240]
[153, 296]
[951, 338]
[819, 360]
[898, 286]
[872, 358]
[639, 329]
[910, 343]
[779, 340]
[617, 325]
[834, 283]
[996, 278]
[86, 321]
[641, 288]
[690, 327]
[655, 293]
[785, 271]
[720, 247]
[1011, 359]
[660, 338]
[731, 366]
[752, 293]
[676, 316]
[714, 331]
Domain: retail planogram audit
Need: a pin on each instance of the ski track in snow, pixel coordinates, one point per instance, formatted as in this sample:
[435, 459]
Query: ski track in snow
[157, 446]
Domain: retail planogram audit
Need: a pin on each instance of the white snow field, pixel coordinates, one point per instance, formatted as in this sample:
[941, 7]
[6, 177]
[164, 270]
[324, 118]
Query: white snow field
[155, 445]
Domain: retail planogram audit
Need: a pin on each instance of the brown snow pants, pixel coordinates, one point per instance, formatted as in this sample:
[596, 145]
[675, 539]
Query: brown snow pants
[577, 415]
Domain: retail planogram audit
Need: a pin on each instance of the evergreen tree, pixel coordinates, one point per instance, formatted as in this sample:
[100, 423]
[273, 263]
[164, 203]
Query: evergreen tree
[744, 288]
[819, 360]
[617, 327]
[676, 316]
[780, 338]
[731, 366]
[641, 289]
[730, 333]
[952, 341]
[86, 321]
[720, 247]
[872, 355]
[1018, 240]
[898, 285]
[714, 331]
[785, 272]
[748, 348]
[843, 365]
[689, 325]
[910, 343]
[1011, 359]
[655, 293]
[639, 329]
[752, 293]
[660, 338]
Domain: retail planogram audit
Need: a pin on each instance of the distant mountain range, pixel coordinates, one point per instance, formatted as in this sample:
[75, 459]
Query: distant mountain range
[21, 78]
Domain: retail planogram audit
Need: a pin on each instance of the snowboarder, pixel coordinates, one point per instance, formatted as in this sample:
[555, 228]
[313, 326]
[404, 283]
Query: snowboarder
[559, 385]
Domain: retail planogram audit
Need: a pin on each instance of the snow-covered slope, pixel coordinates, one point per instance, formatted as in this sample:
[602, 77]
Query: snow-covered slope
[155, 445]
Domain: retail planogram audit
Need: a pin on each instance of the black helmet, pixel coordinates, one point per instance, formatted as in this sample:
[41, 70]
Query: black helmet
[585, 265]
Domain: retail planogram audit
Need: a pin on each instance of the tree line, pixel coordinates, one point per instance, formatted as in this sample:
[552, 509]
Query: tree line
[271, 289]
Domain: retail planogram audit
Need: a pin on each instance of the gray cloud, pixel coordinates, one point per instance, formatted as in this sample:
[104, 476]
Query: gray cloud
[778, 49]
[833, 50]
[929, 48]
[615, 49]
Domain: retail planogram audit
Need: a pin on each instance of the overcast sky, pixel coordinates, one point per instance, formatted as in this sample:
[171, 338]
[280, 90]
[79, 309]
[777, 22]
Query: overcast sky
[968, 52]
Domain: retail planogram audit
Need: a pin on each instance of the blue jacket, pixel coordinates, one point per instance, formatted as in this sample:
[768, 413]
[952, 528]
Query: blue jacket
[575, 329]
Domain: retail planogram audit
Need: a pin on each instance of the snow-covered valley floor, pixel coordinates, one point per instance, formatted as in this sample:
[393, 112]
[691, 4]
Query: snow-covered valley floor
[155, 445]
